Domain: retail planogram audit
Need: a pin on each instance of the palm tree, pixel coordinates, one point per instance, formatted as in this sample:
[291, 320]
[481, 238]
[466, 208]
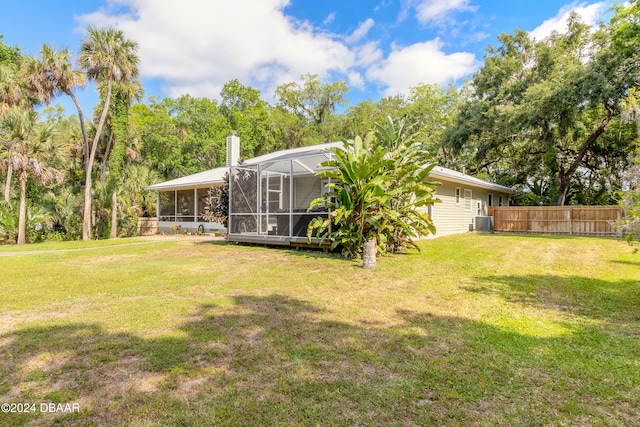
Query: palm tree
[12, 93]
[54, 74]
[11, 87]
[27, 144]
[108, 57]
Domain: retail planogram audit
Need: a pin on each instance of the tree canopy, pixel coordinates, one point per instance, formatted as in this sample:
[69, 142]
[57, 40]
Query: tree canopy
[541, 109]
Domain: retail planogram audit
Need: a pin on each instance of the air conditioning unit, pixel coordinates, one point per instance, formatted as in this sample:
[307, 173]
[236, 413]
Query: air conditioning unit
[484, 223]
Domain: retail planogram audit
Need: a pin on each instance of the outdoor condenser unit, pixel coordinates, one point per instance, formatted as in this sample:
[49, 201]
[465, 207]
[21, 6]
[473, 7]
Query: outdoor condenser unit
[484, 223]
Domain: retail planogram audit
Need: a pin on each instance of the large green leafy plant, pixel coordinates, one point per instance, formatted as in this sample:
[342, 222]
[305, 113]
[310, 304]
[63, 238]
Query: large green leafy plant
[378, 192]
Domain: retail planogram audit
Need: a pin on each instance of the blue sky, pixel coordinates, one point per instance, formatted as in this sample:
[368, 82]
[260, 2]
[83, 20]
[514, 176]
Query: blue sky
[379, 47]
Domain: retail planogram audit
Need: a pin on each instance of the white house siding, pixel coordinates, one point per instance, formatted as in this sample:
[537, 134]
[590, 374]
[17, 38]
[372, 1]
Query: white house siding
[451, 218]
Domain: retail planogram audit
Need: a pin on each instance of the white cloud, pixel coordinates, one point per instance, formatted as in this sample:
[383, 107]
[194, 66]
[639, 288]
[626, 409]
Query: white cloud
[198, 46]
[421, 63]
[590, 15]
[195, 47]
[367, 54]
[435, 10]
[329, 19]
[355, 80]
[360, 32]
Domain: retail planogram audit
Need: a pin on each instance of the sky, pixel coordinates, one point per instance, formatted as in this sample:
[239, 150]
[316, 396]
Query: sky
[378, 47]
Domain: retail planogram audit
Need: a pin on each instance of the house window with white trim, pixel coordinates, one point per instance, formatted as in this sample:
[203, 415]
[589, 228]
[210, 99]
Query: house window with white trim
[457, 196]
[490, 199]
[468, 203]
[499, 200]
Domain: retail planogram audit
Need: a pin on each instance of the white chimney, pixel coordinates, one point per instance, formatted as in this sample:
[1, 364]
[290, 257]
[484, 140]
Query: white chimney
[233, 149]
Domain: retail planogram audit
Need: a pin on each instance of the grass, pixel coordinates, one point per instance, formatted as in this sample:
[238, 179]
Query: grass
[474, 330]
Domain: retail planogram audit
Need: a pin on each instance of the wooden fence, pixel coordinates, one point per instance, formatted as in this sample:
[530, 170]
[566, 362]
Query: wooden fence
[575, 220]
[147, 226]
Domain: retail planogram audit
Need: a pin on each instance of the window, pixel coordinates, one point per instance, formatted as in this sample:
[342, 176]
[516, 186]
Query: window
[457, 196]
[167, 205]
[468, 203]
[499, 200]
[490, 199]
[185, 206]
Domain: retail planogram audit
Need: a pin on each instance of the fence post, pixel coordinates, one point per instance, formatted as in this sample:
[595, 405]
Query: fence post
[571, 220]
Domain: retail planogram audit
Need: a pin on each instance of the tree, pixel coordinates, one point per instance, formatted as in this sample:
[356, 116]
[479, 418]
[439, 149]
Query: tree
[312, 99]
[27, 147]
[115, 154]
[433, 110]
[540, 107]
[247, 114]
[180, 136]
[361, 117]
[12, 93]
[107, 57]
[304, 114]
[53, 74]
[377, 194]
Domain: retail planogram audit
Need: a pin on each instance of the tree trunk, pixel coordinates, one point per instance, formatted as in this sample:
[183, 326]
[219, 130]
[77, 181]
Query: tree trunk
[86, 213]
[85, 140]
[22, 216]
[565, 180]
[369, 254]
[103, 168]
[7, 185]
[114, 215]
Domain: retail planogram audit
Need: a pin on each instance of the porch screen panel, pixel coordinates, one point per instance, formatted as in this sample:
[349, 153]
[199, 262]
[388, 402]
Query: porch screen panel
[274, 218]
[167, 205]
[244, 200]
[203, 207]
[185, 209]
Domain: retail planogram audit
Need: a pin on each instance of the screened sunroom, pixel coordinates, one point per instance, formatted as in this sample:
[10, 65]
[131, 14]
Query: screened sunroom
[269, 199]
[181, 202]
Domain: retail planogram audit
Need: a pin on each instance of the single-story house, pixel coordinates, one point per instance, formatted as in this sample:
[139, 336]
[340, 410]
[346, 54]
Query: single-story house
[270, 194]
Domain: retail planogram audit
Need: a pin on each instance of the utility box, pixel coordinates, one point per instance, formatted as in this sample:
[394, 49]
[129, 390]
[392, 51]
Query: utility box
[484, 223]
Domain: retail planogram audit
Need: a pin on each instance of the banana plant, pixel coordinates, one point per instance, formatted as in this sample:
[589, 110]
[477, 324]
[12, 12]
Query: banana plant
[377, 194]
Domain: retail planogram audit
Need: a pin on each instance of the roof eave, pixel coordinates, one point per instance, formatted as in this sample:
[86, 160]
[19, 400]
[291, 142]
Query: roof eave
[465, 181]
[160, 187]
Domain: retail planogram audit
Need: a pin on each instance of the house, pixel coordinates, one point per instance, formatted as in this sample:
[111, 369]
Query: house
[270, 194]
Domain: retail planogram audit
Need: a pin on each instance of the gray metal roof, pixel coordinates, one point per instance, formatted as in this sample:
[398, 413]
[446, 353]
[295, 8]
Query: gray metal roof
[308, 157]
[216, 176]
[445, 174]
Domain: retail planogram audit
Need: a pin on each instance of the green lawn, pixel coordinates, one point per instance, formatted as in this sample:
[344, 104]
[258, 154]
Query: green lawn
[475, 330]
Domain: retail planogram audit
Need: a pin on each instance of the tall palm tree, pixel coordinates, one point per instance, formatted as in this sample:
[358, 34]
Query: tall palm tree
[54, 74]
[108, 57]
[27, 144]
[11, 87]
[12, 93]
